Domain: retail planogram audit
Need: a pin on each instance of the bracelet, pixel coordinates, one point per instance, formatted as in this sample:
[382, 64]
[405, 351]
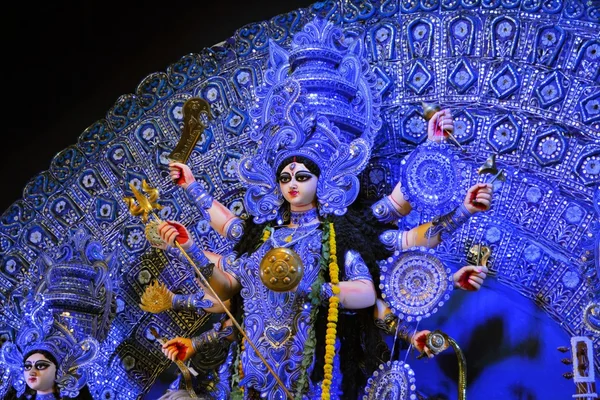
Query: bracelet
[200, 259]
[391, 239]
[385, 211]
[405, 332]
[198, 196]
[210, 347]
[448, 223]
[388, 324]
[391, 326]
[195, 302]
[235, 229]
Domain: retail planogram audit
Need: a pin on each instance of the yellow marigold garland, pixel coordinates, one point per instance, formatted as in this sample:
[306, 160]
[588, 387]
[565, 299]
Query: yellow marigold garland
[266, 234]
[332, 317]
[241, 368]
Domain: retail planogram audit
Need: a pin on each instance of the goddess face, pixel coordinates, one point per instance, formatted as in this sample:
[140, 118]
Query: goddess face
[298, 186]
[39, 373]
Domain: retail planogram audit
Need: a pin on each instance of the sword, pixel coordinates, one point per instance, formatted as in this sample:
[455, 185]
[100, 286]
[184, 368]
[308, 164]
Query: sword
[193, 127]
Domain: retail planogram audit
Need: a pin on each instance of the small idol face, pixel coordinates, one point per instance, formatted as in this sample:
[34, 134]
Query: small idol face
[39, 373]
[298, 186]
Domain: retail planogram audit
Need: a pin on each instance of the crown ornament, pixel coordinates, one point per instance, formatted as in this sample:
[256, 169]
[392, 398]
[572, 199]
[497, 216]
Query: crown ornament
[41, 331]
[319, 101]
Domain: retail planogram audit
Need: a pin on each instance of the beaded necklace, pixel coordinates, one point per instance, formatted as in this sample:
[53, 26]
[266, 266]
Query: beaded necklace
[302, 219]
[45, 396]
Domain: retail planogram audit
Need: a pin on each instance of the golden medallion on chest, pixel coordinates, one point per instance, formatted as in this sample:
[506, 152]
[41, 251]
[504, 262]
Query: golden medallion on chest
[281, 269]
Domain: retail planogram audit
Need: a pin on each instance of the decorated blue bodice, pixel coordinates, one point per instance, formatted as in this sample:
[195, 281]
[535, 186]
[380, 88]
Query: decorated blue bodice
[278, 323]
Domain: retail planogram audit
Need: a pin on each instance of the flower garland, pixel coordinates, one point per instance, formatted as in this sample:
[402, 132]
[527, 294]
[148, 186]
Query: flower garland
[328, 255]
[332, 316]
[310, 343]
[266, 234]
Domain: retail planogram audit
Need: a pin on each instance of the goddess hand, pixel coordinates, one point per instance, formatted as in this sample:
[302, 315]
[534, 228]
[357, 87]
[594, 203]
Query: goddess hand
[419, 341]
[439, 125]
[178, 349]
[170, 231]
[470, 277]
[479, 197]
[181, 174]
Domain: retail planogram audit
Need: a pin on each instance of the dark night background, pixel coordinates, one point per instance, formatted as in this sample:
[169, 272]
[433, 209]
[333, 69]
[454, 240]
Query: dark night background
[67, 63]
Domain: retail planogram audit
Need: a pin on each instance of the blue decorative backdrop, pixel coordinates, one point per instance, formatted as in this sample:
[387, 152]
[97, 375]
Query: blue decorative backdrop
[522, 78]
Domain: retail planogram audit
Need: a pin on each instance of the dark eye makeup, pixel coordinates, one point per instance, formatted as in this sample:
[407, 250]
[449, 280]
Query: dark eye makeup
[301, 176]
[285, 177]
[40, 365]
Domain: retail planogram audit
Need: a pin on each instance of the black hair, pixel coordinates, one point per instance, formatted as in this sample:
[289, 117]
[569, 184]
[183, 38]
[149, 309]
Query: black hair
[362, 345]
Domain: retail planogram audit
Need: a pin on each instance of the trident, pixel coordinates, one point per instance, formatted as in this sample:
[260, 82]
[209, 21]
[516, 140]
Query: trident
[145, 207]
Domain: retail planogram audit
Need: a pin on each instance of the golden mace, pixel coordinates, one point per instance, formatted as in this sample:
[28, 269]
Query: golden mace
[145, 207]
[437, 341]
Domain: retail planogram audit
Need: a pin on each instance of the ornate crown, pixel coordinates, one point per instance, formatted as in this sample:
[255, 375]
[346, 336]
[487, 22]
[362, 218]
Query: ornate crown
[319, 101]
[40, 331]
[65, 313]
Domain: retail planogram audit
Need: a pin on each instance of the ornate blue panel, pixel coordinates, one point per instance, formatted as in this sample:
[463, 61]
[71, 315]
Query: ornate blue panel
[382, 41]
[548, 44]
[420, 38]
[462, 33]
[550, 147]
[463, 76]
[420, 79]
[522, 80]
[505, 81]
[505, 134]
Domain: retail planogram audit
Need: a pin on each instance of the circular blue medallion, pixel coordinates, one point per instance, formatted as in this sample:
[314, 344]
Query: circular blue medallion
[434, 180]
[394, 380]
[415, 283]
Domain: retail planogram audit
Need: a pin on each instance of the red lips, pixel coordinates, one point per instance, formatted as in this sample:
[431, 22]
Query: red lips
[293, 193]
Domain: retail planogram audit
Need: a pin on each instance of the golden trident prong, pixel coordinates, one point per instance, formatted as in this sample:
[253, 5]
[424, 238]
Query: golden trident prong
[146, 204]
[145, 207]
